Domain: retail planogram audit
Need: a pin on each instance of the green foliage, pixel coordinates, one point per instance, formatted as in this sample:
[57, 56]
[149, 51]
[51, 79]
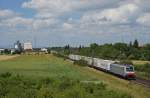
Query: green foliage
[63, 87]
[136, 44]
[81, 63]
[126, 62]
[5, 75]
[39, 76]
[7, 51]
[119, 51]
[143, 68]
[60, 55]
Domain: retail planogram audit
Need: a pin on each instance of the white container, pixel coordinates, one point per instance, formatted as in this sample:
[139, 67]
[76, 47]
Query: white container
[103, 64]
[88, 60]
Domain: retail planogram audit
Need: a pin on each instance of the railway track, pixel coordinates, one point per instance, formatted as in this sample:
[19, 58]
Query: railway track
[142, 81]
[138, 80]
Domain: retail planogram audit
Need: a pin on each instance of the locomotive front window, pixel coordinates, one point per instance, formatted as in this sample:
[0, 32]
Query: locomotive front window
[129, 69]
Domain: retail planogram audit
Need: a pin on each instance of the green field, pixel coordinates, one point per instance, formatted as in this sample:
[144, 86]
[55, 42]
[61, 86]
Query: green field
[47, 76]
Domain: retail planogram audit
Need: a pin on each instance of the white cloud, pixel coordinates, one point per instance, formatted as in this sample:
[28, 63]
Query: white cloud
[143, 4]
[42, 23]
[9, 18]
[144, 19]
[67, 26]
[12, 22]
[57, 7]
[85, 20]
[123, 14]
[7, 13]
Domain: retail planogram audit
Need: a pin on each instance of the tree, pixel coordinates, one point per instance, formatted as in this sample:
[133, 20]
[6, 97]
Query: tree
[7, 51]
[67, 49]
[80, 47]
[121, 47]
[130, 44]
[136, 44]
[93, 46]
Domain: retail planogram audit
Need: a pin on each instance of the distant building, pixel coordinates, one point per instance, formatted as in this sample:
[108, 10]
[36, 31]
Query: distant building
[12, 51]
[2, 51]
[18, 46]
[44, 50]
[28, 46]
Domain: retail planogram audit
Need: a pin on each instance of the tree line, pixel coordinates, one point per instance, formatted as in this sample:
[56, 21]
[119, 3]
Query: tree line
[120, 51]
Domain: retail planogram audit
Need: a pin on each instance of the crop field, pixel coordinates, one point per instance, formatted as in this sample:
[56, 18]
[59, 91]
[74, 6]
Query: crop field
[47, 76]
[138, 62]
[6, 57]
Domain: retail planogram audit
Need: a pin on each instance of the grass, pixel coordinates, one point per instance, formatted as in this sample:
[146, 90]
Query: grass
[34, 68]
[40, 66]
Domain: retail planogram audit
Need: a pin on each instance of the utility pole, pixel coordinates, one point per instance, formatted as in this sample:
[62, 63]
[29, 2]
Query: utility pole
[35, 42]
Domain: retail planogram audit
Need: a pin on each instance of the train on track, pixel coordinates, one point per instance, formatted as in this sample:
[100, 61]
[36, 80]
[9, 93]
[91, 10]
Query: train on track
[123, 70]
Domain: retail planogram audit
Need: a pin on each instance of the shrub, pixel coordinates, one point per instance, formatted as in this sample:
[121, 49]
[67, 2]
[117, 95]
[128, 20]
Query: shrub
[81, 63]
[45, 93]
[125, 62]
[64, 87]
[143, 68]
[6, 75]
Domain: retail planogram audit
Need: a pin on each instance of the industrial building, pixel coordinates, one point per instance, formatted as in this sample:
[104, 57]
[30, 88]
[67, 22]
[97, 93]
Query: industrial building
[18, 46]
[28, 46]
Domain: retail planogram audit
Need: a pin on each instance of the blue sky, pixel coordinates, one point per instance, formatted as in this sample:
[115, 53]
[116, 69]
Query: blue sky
[74, 22]
[15, 5]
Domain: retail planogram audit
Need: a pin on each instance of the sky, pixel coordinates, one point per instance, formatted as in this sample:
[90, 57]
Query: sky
[75, 22]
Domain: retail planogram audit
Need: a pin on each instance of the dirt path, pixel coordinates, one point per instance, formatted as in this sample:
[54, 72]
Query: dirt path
[6, 57]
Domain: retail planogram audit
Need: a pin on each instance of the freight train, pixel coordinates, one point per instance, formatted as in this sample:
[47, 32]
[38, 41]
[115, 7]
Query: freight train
[123, 70]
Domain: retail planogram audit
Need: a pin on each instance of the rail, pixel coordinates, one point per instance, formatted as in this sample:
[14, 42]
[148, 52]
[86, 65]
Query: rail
[142, 81]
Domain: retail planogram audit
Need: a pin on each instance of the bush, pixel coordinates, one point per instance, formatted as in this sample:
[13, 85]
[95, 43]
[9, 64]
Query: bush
[81, 63]
[21, 87]
[6, 75]
[125, 62]
[60, 55]
[143, 68]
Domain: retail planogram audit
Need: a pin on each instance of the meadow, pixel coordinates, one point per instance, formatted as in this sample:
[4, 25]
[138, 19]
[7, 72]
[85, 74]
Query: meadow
[47, 76]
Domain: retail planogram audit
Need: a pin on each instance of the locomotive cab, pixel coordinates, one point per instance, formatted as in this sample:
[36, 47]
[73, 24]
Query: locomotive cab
[130, 74]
